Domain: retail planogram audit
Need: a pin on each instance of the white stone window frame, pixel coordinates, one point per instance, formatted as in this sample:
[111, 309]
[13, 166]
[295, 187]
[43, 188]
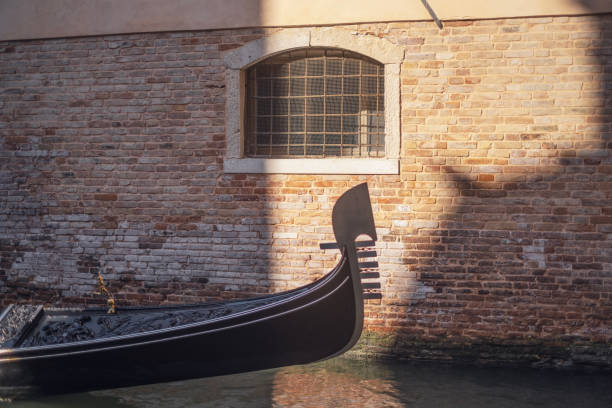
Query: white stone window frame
[238, 60]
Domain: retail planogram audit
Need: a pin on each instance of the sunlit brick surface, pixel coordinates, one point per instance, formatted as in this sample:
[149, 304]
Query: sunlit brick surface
[497, 228]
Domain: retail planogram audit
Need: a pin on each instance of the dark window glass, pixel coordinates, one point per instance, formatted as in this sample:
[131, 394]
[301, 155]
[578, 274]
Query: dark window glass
[315, 102]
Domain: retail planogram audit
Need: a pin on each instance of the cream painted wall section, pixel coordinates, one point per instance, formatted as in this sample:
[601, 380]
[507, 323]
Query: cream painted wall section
[26, 19]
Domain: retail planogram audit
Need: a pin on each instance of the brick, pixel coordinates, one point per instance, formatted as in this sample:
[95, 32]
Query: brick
[106, 197]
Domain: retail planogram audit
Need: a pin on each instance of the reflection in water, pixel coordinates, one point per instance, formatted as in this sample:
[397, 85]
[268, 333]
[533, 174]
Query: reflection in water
[337, 383]
[348, 383]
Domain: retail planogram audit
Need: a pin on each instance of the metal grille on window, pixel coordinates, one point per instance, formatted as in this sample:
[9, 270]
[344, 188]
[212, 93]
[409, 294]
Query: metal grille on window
[315, 103]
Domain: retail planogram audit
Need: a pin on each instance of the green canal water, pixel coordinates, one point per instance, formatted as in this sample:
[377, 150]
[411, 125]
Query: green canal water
[342, 383]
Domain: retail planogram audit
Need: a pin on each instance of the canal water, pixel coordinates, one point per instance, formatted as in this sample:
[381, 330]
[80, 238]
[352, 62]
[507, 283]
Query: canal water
[341, 382]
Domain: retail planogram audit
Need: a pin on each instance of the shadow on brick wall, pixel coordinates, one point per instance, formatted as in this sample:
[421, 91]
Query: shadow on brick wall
[520, 270]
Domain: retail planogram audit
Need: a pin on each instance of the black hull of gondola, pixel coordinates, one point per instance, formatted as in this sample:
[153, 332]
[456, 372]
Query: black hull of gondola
[307, 329]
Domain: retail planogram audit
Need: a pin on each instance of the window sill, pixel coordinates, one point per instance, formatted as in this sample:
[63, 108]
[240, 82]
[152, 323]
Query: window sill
[312, 166]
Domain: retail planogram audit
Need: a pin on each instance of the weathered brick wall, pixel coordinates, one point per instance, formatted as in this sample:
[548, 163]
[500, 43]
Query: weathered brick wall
[495, 232]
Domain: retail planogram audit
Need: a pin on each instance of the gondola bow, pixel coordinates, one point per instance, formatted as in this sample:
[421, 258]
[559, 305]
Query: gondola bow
[68, 350]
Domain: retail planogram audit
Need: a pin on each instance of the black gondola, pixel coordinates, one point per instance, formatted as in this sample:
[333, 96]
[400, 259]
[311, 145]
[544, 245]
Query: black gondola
[158, 344]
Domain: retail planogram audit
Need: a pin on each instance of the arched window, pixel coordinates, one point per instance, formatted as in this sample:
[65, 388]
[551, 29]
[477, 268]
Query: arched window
[315, 102]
